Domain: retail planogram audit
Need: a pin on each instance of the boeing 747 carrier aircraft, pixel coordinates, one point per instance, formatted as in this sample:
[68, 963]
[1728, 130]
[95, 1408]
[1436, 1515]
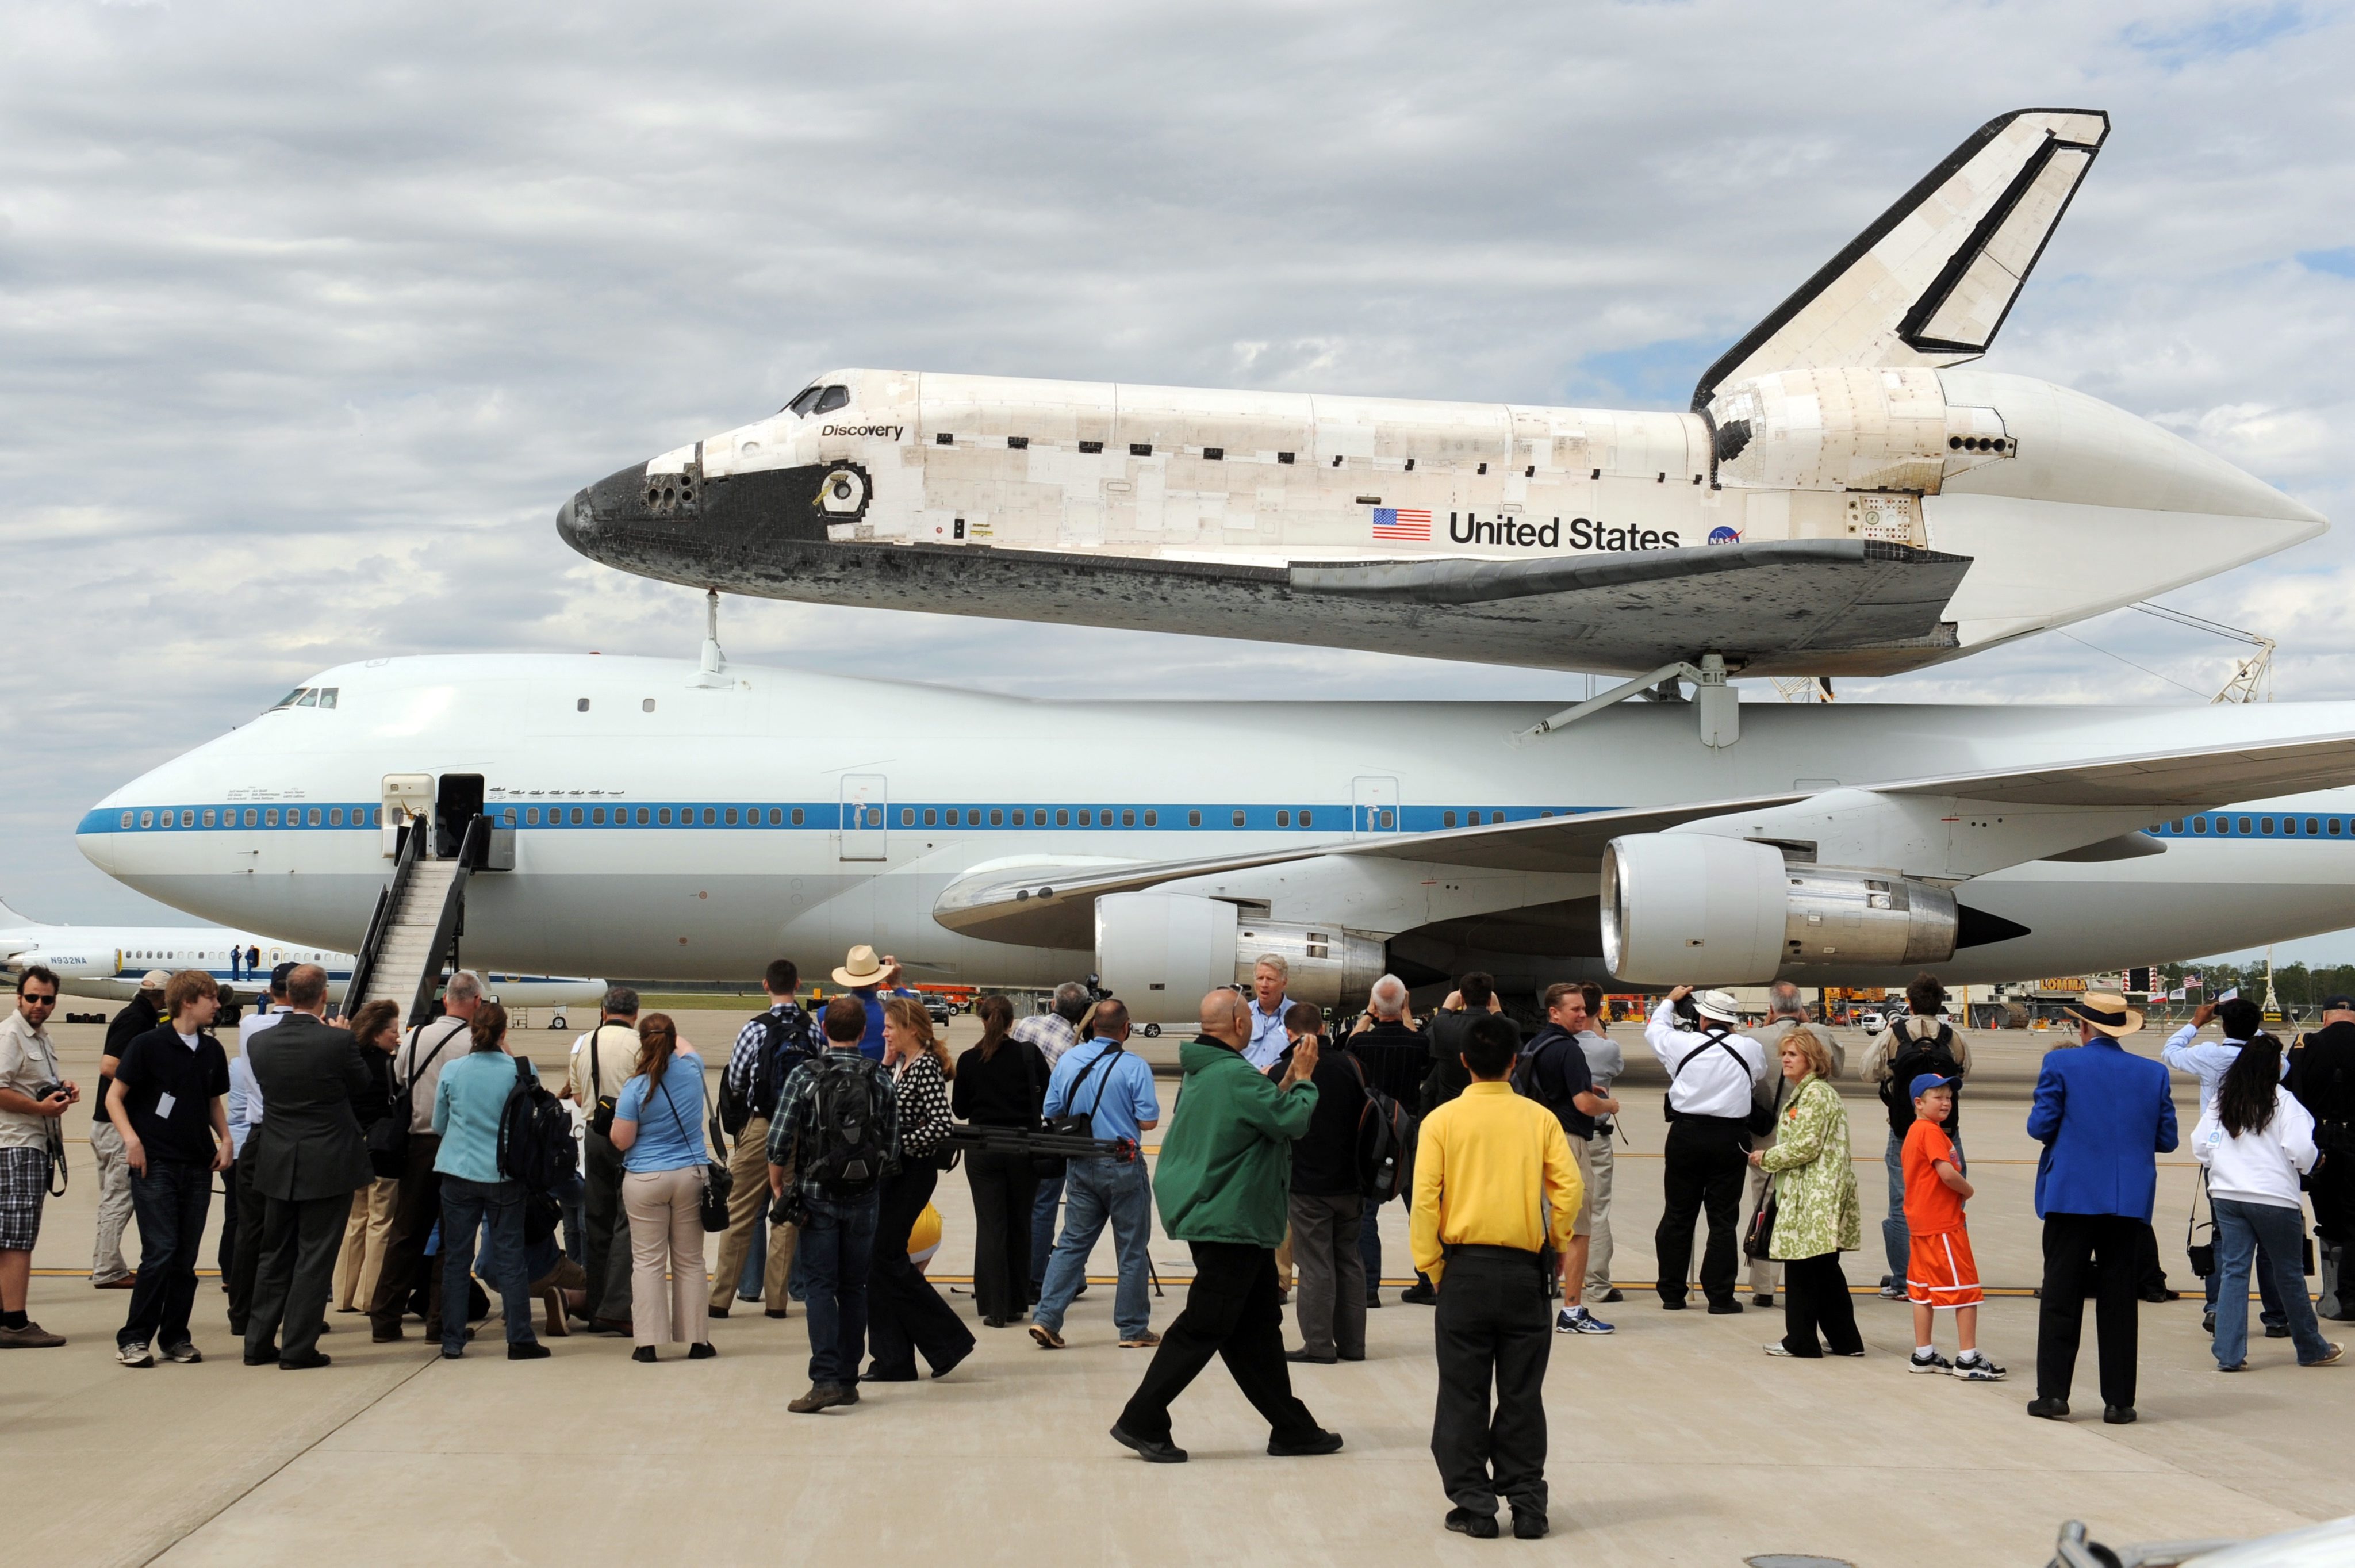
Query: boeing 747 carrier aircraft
[1842, 498]
[664, 819]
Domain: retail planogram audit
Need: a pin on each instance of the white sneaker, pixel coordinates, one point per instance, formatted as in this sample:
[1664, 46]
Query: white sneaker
[1776, 1349]
[1972, 1367]
[135, 1354]
[1934, 1362]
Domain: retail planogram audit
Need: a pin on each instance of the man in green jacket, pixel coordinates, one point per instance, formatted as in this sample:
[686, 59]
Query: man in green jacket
[1222, 1183]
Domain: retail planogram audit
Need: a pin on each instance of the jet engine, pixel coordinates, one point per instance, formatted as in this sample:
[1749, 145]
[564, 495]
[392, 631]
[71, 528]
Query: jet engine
[75, 964]
[1696, 908]
[1160, 952]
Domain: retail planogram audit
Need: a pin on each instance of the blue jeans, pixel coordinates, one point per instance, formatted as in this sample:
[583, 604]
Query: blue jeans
[837, 1250]
[170, 1201]
[1893, 1236]
[1042, 1229]
[751, 1282]
[2269, 1306]
[494, 1210]
[1096, 1191]
[2241, 1231]
[572, 1193]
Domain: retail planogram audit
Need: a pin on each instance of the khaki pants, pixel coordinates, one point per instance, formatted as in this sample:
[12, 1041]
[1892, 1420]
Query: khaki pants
[1598, 1215]
[665, 1210]
[748, 1162]
[365, 1235]
[106, 1263]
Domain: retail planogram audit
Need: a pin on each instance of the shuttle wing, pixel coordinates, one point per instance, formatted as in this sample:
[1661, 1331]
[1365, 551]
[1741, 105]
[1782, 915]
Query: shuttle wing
[1049, 905]
[1932, 280]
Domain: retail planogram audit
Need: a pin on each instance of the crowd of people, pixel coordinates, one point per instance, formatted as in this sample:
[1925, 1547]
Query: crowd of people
[407, 1174]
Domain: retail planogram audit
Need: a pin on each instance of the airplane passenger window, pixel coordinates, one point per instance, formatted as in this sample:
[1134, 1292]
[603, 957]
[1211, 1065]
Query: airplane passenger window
[507, 816]
[641, 816]
[327, 694]
[270, 817]
[1085, 819]
[1152, 819]
[1447, 820]
[1389, 817]
[907, 816]
[833, 398]
[146, 819]
[2333, 828]
[2199, 825]
[874, 817]
[597, 816]
[2178, 825]
[314, 817]
[1062, 819]
[647, 705]
[953, 817]
[663, 816]
[1193, 819]
[2289, 825]
[930, 816]
[1239, 819]
[2311, 828]
[1284, 819]
[1496, 816]
[310, 699]
[2265, 825]
[800, 407]
[189, 819]
[208, 817]
[776, 817]
[2244, 825]
[797, 816]
[581, 705]
[576, 816]
[531, 816]
[127, 817]
[1304, 817]
[709, 816]
[1127, 819]
[732, 817]
[1020, 816]
[996, 817]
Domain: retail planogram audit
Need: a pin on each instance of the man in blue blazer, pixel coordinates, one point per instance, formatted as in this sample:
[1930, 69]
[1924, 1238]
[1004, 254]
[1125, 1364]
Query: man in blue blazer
[2103, 1117]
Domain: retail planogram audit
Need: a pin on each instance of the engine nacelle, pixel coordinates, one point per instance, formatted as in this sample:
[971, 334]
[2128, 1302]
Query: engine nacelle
[1160, 952]
[1696, 908]
[66, 962]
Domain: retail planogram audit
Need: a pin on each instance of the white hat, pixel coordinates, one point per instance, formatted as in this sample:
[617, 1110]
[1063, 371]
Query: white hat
[861, 969]
[154, 979]
[1718, 1005]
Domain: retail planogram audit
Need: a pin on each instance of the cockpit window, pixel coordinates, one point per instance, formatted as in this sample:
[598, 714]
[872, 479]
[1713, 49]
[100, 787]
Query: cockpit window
[800, 407]
[832, 399]
[291, 697]
[327, 694]
[310, 699]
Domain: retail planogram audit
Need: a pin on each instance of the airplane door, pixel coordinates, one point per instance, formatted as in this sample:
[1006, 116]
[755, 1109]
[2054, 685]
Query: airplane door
[406, 798]
[1377, 809]
[458, 800]
[866, 799]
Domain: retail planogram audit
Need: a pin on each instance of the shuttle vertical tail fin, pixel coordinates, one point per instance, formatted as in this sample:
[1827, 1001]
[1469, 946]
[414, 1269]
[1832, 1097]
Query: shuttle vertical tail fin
[1932, 280]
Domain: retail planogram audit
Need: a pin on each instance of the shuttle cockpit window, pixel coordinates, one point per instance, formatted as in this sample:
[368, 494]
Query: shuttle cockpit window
[833, 398]
[800, 407]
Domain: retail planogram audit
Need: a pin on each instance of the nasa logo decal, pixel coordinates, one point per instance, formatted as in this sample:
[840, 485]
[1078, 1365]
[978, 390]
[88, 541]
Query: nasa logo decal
[1723, 534]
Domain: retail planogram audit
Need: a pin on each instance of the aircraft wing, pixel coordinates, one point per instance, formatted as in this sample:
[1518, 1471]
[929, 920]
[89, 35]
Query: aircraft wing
[1045, 905]
[1932, 280]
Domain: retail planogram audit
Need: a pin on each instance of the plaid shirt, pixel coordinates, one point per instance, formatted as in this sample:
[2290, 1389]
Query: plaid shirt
[744, 1060]
[795, 1106]
[1052, 1033]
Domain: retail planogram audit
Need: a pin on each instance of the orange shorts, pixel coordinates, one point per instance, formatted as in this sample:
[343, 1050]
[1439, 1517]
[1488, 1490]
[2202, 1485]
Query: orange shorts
[1942, 1271]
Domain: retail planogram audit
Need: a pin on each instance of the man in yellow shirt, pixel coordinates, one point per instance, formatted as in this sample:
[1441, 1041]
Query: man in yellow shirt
[1495, 1185]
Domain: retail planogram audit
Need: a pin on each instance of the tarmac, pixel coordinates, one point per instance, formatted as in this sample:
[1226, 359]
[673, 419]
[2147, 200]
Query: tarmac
[1674, 1441]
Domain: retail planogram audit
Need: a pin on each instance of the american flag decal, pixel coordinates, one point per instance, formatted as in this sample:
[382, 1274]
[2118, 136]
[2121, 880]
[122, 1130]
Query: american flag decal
[1402, 524]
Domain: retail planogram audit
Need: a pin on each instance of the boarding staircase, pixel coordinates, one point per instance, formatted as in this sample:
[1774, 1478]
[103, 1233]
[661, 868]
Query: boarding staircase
[418, 917]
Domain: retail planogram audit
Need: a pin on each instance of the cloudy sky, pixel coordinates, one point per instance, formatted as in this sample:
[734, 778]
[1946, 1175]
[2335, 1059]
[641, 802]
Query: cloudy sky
[310, 316]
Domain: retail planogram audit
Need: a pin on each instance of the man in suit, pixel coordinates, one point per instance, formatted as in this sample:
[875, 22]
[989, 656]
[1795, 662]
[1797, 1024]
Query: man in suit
[2103, 1117]
[312, 1156]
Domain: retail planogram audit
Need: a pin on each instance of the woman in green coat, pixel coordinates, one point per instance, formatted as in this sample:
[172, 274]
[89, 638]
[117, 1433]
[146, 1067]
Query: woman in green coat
[1815, 1214]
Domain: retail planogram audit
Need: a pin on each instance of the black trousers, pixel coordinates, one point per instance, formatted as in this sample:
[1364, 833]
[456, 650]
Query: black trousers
[414, 1210]
[1492, 1326]
[171, 1201]
[245, 1253]
[2073, 1246]
[904, 1313]
[1003, 1191]
[300, 1240]
[1707, 1158]
[607, 1254]
[228, 1250]
[1231, 1313]
[1815, 1295]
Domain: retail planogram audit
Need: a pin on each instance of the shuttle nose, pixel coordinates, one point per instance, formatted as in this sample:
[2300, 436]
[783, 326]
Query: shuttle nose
[588, 522]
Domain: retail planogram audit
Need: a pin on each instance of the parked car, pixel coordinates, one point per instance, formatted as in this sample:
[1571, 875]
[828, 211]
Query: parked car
[1871, 1023]
[939, 1010]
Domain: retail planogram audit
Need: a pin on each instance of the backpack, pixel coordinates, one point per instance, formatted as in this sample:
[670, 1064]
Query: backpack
[1386, 1134]
[1528, 1080]
[783, 1039]
[536, 1139]
[841, 1144]
[1911, 1058]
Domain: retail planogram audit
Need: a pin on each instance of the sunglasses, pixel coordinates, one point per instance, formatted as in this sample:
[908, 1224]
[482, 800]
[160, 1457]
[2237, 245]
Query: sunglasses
[34, 999]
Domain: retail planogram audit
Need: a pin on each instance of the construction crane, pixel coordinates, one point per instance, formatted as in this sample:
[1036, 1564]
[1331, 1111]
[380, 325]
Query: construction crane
[1804, 688]
[2252, 677]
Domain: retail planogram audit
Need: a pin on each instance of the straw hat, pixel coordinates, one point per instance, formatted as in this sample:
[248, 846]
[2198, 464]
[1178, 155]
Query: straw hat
[1718, 1005]
[861, 969]
[154, 979]
[2105, 1011]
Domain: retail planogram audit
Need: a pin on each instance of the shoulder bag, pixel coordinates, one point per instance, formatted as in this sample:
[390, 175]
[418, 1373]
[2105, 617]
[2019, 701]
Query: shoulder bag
[388, 1135]
[1759, 1240]
[1070, 1124]
[600, 1113]
[718, 1181]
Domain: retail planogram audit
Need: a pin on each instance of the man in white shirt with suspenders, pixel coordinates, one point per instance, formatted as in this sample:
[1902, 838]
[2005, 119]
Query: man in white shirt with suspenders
[1713, 1074]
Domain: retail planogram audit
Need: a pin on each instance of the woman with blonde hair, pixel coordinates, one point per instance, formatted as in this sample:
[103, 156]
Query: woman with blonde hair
[658, 1129]
[1816, 1212]
[904, 1313]
[377, 1029]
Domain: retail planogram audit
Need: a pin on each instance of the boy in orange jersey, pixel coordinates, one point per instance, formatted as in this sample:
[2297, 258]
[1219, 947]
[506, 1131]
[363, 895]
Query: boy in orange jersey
[1940, 1273]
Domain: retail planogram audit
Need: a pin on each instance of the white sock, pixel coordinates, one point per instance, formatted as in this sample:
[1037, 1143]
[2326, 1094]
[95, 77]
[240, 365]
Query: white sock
[1924, 1353]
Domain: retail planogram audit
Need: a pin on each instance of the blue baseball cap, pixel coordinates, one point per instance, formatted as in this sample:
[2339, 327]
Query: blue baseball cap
[1924, 1083]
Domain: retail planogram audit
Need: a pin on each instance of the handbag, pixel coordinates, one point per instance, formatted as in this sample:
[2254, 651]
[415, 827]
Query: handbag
[2202, 1253]
[1050, 1167]
[1759, 1237]
[718, 1181]
[601, 1114]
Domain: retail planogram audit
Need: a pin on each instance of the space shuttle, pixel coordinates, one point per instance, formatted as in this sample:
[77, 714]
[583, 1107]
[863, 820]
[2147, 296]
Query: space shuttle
[1846, 495]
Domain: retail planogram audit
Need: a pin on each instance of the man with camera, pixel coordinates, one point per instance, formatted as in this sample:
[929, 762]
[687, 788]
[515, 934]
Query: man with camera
[1712, 1076]
[603, 1061]
[32, 1098]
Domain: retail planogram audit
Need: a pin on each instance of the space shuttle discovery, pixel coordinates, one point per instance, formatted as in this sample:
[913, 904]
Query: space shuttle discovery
[1843, 499]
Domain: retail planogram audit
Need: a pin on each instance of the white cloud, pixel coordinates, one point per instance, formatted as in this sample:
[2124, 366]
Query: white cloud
[309, 318]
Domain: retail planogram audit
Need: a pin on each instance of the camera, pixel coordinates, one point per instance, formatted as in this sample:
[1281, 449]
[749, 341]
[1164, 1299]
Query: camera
[47, 1087]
